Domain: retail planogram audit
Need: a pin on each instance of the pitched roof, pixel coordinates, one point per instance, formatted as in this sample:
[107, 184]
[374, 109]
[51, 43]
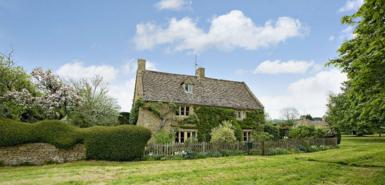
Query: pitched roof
[167, 87]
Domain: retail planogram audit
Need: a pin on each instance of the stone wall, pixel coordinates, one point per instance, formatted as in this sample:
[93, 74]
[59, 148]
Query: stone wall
[40, 153]
[152, 121]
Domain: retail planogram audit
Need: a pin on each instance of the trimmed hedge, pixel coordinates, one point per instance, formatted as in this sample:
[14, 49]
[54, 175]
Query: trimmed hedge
[53, 132]
[57, 133]
[119, 143]
[14, 133]
[125, 142]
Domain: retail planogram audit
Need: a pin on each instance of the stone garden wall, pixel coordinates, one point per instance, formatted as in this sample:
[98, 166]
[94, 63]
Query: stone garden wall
[40, 153]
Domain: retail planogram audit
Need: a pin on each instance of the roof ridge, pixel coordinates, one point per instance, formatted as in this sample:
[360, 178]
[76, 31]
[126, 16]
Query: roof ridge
[194, 76]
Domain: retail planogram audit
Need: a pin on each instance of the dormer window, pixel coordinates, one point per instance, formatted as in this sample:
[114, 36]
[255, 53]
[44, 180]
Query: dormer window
[188, 88]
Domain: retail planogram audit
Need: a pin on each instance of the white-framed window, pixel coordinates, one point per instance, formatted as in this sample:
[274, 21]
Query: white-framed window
[183, 135]
[188, 88]
[183, 111]
[240, 115]
[246, 135]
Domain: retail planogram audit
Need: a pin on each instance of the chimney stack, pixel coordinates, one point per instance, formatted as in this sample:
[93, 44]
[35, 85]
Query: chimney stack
[141, 65]
[200, 72]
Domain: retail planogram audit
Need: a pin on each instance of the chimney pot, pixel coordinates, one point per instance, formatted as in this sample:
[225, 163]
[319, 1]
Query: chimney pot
[141, 64]
[200, 72]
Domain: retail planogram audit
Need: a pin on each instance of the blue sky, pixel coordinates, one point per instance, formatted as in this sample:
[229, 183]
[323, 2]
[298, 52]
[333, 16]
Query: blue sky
[277, 47]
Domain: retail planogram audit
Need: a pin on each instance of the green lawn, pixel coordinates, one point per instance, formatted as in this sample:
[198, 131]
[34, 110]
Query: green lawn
[357, 161]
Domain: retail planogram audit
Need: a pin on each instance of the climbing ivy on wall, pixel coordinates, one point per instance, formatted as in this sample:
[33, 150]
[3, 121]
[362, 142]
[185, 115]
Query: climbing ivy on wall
[211, 117]
[252, 119]
[135, 111]
[204, 118]
[161, 110]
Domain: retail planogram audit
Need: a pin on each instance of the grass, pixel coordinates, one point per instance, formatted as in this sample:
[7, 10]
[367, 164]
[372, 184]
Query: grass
[359, 160]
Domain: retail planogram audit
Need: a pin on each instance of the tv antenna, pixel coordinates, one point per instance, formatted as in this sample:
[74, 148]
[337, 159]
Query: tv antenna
[195, 61]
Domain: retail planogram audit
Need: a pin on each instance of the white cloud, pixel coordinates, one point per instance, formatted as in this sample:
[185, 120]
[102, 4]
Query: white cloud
[332, 38]
[228, 31]
[173, 4]
[121, 80]
[284, 67]
[351, 5]
[123, 92]
[308, 95]
[76, 70]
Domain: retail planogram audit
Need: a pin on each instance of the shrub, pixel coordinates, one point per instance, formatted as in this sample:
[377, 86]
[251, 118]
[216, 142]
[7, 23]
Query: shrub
[272, 130]
[124, 142]
[163, 137]
[259, 136]
[124, 118]
[306, 131]
[190, 155]
[57, 133]
[14, 133]
[312, 148]
[223, 134]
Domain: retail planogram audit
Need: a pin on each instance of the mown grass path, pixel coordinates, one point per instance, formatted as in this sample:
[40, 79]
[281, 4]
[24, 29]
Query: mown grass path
[359, 160]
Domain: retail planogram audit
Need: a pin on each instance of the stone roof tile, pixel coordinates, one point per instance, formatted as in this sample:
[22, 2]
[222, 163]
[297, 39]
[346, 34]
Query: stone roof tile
[167, 87]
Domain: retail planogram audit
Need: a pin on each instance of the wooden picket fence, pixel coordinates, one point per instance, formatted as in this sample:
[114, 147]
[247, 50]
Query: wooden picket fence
[173, 148]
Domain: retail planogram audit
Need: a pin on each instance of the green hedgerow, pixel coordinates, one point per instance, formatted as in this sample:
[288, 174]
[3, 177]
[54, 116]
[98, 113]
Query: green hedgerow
[57, 133]
[14, 133]
[125, 142]
[120, 143]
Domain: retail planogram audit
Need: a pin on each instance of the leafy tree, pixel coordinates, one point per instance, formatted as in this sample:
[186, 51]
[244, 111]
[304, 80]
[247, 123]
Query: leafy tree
[272, 130]
[259, 135]
[13, 78]
[96, 107]
[15, 81]
[306, 131]
[124, 118]
[223, 134]
[362, 58]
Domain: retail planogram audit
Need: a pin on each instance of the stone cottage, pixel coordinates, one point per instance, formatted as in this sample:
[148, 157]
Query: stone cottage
[187, 92]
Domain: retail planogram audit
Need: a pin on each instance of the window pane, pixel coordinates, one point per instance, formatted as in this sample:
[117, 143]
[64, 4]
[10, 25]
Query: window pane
[182, 137]
[187, 111]
[182, 111]
[176, 137]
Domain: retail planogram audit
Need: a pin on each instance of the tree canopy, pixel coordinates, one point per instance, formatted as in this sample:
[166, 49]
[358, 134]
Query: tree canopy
[361, 106]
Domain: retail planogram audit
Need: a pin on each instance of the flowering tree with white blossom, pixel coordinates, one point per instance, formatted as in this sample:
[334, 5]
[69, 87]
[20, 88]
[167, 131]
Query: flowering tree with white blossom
[58, 98]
